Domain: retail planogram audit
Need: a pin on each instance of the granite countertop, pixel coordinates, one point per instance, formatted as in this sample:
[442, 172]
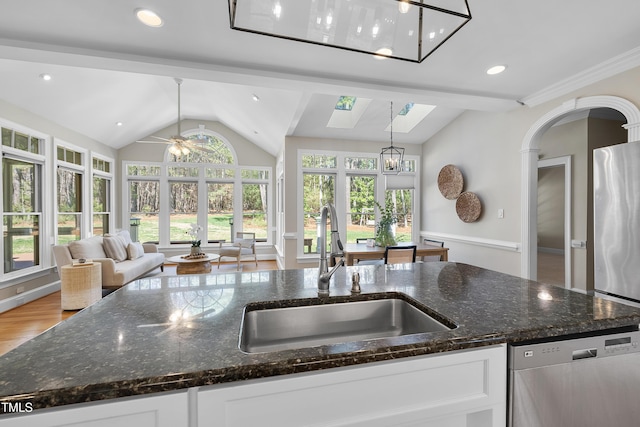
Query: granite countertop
[171, 333]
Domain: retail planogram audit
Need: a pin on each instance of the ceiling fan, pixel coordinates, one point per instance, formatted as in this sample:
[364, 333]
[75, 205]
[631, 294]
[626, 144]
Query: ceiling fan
[178, 144]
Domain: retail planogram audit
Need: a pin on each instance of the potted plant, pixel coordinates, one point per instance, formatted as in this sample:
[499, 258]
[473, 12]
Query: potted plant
[195, 242]
[384, 228]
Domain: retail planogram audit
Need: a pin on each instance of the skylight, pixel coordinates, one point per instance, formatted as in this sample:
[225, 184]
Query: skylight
[406, 109]
[345, 103]
[410, 116]
[347, 112]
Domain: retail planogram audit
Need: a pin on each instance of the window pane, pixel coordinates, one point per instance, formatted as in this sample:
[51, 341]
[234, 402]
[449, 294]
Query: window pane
[21, 242]
[142, 170]
[254, 209]
[220, 211]
[21, 141]
[318, 190]
[68, 228]
[183, 172]
[255, 174]
[144, 203]
[360, 196]
[69, 191]
[6, 137]
[361, 163]
[183, 199]
[101, 194]
[101, 205]
[320, 161]
[100, 224]
[402, 202]
[19, 183]
[220, 173]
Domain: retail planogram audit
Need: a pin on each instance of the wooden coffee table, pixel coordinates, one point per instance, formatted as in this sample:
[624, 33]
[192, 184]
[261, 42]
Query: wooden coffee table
[193, 266]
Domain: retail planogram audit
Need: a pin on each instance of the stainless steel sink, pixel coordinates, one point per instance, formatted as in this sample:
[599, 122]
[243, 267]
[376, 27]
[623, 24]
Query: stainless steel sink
[275, 326]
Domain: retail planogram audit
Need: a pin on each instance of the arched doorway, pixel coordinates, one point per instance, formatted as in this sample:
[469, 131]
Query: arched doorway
[530, 150]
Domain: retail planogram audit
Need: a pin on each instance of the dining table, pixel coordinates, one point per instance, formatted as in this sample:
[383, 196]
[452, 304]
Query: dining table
[354, 252]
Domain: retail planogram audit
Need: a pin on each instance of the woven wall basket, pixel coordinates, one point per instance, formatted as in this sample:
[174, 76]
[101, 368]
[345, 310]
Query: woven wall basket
[450, 182]
[468, 207]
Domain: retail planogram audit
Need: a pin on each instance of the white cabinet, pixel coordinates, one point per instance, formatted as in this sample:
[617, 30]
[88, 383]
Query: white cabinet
[453, 389]
[158, 410]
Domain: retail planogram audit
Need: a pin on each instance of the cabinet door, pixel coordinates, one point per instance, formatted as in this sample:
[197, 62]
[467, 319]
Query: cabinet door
[166, 410]
[454, 389]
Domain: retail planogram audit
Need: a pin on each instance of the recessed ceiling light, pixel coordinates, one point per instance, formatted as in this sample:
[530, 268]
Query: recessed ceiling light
[497, 69]
[119, 123]
[149, 18]
[255, 97]
[46, 77]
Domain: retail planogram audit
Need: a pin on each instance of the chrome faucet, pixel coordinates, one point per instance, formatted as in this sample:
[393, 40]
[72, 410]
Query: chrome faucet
[324, 274]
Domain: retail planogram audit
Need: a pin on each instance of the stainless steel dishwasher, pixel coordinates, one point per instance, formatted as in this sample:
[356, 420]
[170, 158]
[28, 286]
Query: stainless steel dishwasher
[592, 381]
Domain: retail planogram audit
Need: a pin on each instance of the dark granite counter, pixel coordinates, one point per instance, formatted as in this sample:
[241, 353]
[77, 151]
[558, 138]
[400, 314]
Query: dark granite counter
[171, 333]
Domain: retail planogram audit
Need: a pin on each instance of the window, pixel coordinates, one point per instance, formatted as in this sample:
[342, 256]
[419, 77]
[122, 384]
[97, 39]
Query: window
[203, 187]
[360, 196]
[402, 202]
[101, 205]
[22, 210]
[102, 194]
[22, 141]
[183, 205]
[220, 211]
[353, 183]
[69, 193]
[318, 190]
[144, 204]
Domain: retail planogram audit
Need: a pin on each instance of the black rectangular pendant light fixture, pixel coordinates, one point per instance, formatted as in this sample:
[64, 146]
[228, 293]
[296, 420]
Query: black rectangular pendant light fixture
[400, 29]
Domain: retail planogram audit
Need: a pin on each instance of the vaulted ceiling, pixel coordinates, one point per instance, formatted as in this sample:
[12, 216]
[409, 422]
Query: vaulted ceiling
[107, 67]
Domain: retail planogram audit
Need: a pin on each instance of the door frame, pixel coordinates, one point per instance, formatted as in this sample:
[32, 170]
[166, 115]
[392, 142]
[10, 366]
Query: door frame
[566, 162]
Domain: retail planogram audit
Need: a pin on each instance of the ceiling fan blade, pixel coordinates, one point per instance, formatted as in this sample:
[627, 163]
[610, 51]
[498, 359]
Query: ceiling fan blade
[156, 142]
[160, 138]
[190, 144]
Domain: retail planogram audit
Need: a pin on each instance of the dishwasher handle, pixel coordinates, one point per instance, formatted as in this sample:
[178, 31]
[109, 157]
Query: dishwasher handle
[586, 353]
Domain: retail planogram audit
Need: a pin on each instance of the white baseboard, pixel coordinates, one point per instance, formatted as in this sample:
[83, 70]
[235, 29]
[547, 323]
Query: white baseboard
[28, 296]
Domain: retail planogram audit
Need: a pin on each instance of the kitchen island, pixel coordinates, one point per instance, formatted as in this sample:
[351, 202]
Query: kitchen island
[172, 334]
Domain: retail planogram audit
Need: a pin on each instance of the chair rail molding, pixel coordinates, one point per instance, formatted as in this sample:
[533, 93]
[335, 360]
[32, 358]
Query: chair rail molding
[469, 240]
[530, 148]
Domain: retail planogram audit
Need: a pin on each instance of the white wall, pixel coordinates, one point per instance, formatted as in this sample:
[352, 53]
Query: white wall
[487, 148]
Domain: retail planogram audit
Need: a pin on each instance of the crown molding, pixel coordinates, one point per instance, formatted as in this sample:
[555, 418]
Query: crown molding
[611, 67]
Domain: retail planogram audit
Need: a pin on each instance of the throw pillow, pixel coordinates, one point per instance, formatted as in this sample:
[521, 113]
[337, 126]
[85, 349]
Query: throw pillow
[87, 248]
[126, 236]
[115, 248]
[135, 250]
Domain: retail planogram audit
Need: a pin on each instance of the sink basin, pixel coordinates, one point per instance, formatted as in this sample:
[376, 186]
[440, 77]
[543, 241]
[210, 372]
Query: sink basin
[275, 326]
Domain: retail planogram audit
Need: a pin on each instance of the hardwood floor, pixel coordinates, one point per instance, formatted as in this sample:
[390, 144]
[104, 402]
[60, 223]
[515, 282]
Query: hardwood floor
[19, 325]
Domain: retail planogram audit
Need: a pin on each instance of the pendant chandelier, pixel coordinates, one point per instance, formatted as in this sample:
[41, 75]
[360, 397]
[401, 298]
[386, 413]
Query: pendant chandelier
[408, 30]
[391, 158]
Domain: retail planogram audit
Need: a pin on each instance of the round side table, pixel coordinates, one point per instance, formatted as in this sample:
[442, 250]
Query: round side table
[81, 285]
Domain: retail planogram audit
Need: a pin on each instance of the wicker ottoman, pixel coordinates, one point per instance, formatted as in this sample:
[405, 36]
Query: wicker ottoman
[81, 285]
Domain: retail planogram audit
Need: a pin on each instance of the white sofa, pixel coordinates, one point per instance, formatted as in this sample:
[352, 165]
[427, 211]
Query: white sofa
[122, 260]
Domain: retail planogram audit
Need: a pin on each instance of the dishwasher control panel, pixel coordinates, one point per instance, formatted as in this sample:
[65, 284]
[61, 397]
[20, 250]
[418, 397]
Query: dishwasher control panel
[566, 350]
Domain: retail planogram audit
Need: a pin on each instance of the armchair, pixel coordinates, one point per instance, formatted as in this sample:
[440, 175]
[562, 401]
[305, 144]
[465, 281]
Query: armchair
[243, 245]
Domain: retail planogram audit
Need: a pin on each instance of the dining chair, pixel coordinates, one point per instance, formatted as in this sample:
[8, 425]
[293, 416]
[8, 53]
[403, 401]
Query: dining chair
[400, 254]
[243, 245]
[431, 258]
